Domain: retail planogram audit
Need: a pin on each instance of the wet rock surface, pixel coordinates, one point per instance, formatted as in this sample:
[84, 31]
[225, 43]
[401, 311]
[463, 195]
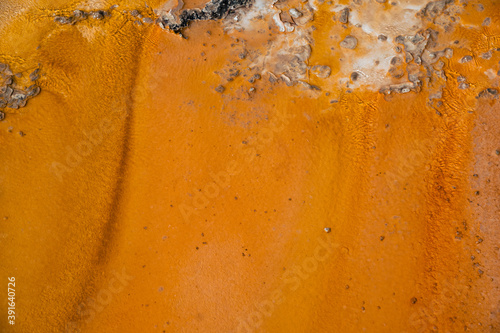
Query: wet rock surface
[12, 94]
[80, 15]
[350, 42]
[321, 71]
[214, 10]
[344, 15]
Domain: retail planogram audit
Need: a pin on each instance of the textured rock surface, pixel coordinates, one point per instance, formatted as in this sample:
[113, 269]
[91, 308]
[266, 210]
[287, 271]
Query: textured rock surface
[230, 167]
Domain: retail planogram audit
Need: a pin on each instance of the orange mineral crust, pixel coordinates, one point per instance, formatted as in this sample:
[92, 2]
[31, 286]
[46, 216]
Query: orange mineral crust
[250, 166]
